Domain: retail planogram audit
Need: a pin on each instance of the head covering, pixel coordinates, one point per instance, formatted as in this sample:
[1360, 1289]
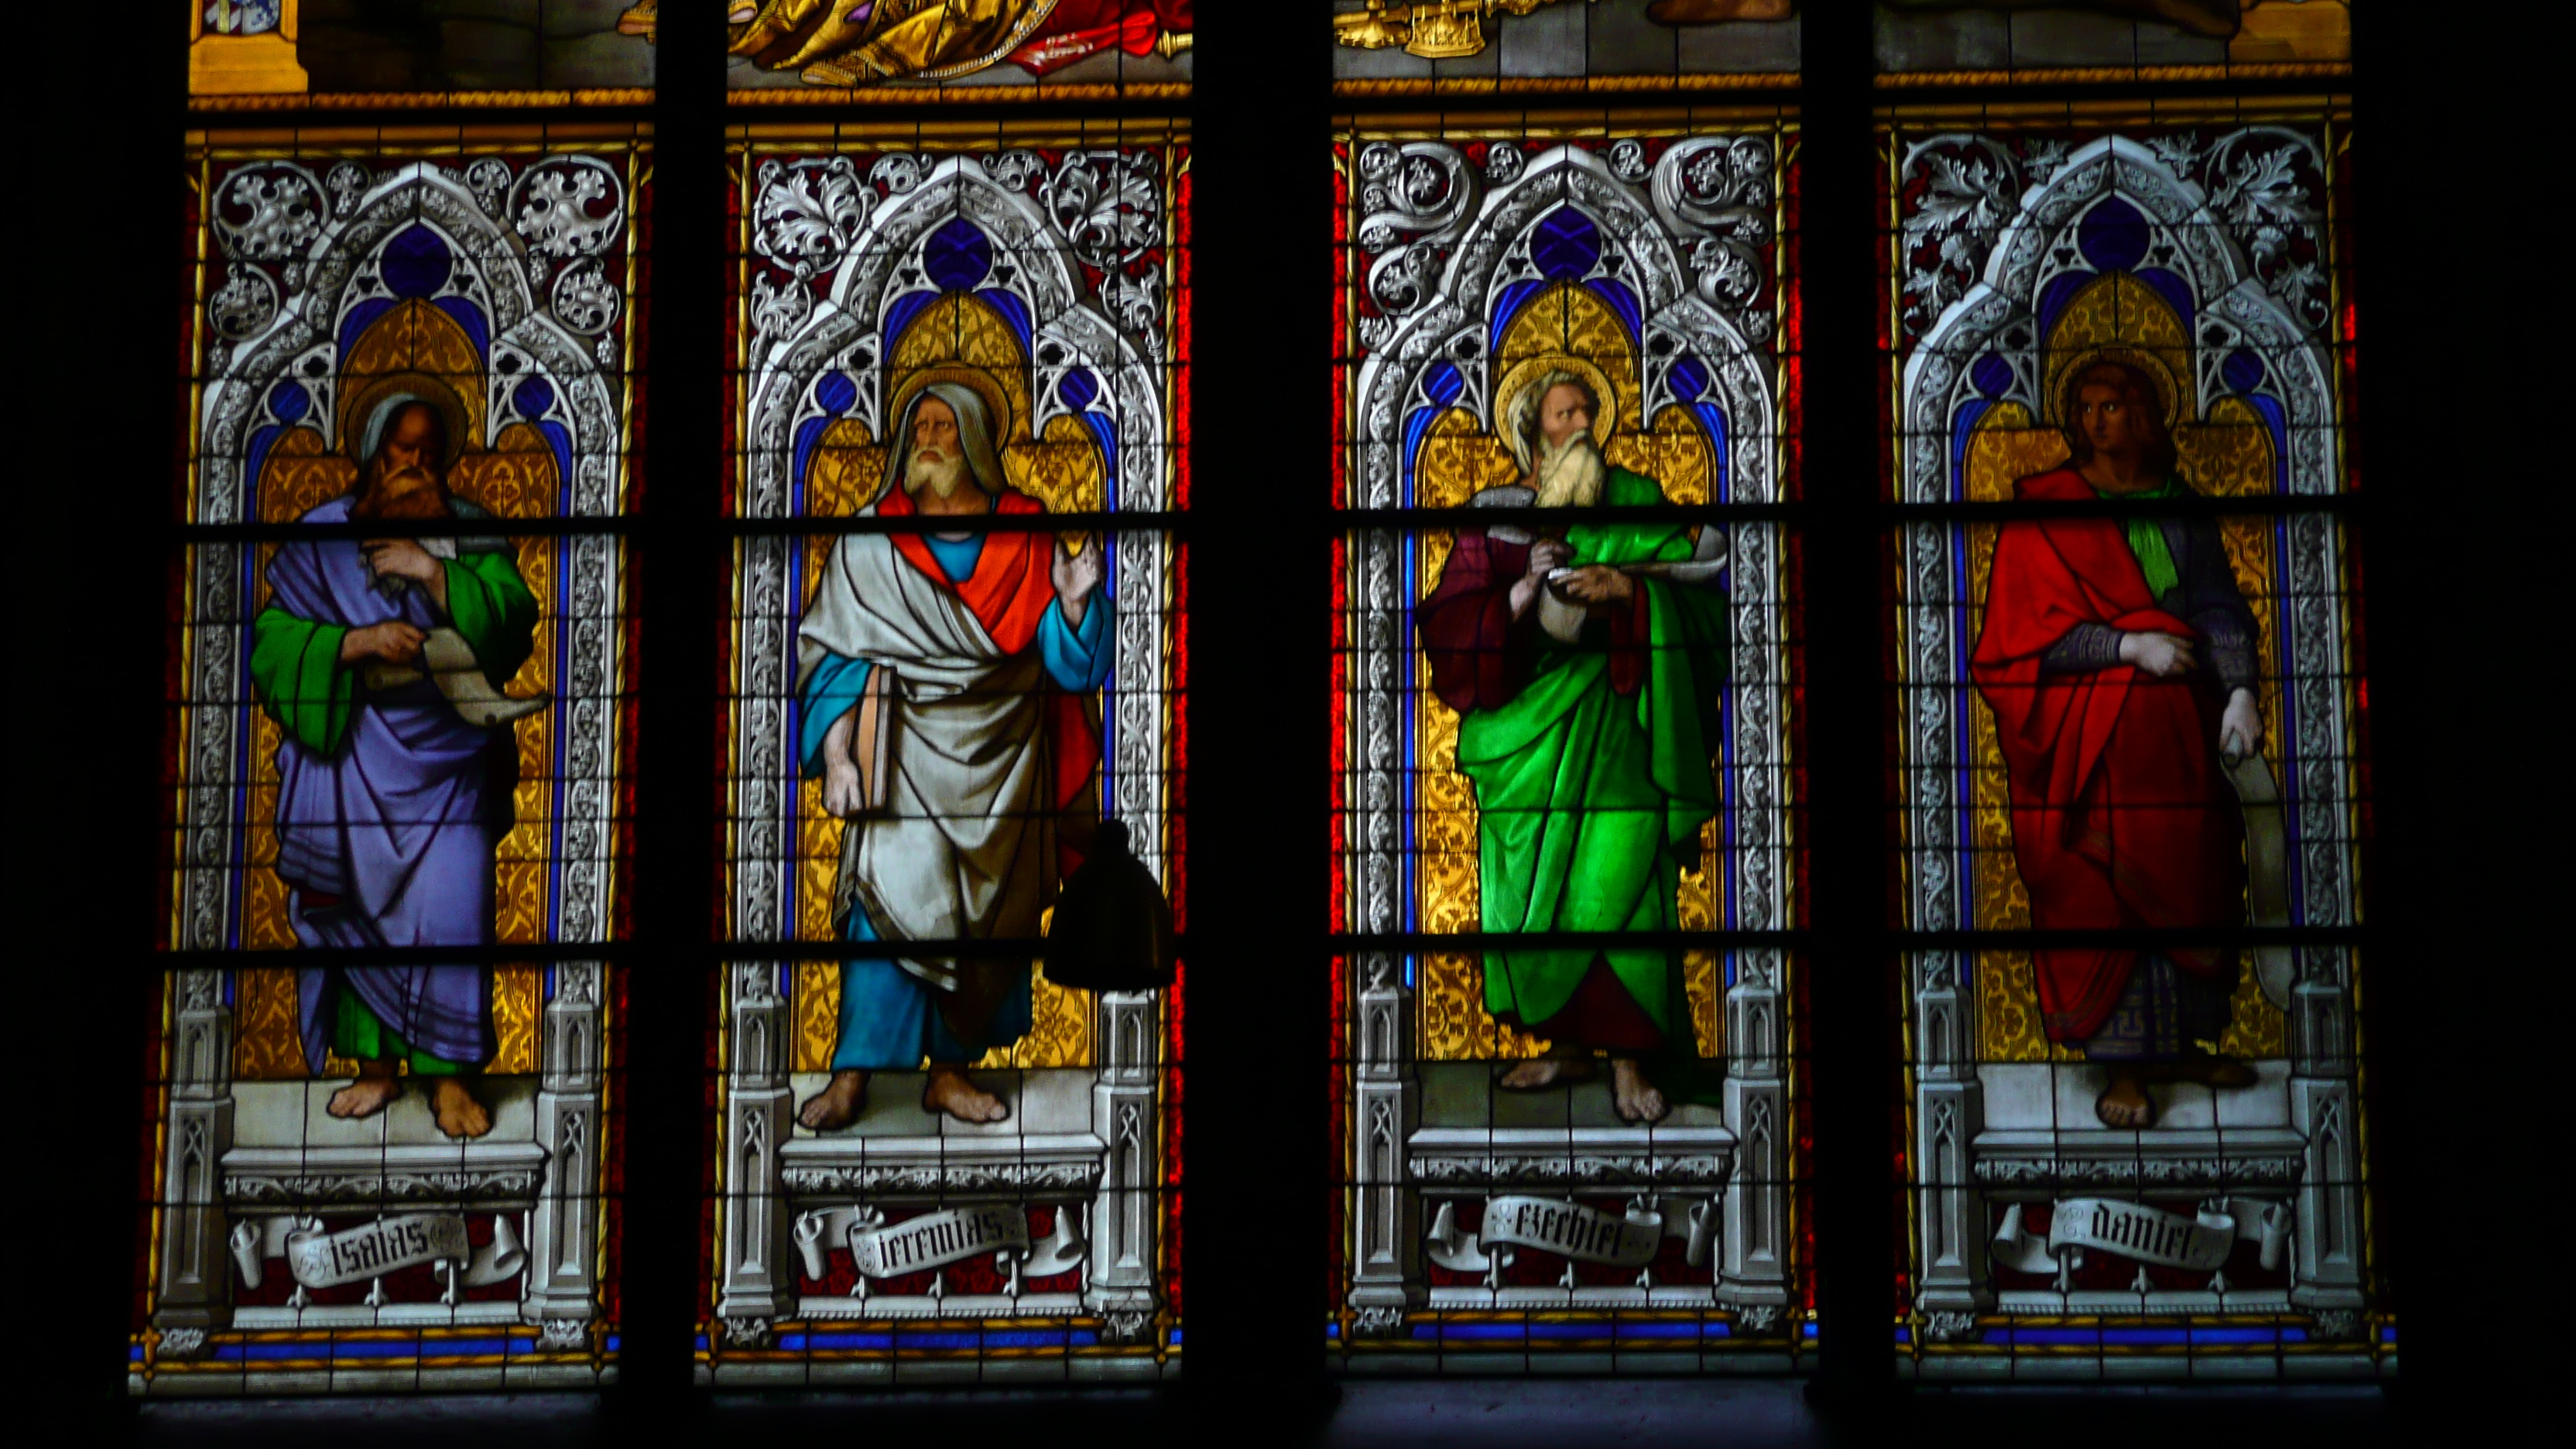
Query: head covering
[1527, 385]
[974, 435]
[388, 396]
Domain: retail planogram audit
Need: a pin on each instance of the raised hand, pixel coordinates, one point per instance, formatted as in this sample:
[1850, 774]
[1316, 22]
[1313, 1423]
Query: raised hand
[2166, 656]
[393, 642]
[1075, 576]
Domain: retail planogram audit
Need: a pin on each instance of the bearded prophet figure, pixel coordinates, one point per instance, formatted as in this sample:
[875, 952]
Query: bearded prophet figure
[853, 42]
[1590, 754]
[2119, 658]
[944, 681]
[390, 805]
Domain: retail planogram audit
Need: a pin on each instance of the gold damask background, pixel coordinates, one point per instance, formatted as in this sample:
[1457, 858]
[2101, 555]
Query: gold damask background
[267, 1048]
[2228, 454]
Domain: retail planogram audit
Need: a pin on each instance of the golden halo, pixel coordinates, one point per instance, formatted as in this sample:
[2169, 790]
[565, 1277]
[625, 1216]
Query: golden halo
[997, 399]
[2158, 371]
[418, 386]
[1530, 369]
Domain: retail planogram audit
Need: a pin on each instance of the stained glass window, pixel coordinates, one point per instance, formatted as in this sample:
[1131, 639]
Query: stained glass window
[397, 762]
[339, 54]
[1922, 42]
[1560, 47]
[956, 675]
[907, 52]
[1570, 725]
[1770, 874]
[2130, 696]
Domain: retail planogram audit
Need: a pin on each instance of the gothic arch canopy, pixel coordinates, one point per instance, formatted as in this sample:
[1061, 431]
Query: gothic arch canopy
[872, 258]
[2173, 225]
[1675, 241]
[307, 251]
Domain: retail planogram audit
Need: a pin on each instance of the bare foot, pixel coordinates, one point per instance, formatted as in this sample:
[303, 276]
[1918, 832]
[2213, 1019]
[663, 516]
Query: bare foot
[2211, 1069]
[458, 1114]
[2125, 1104]
[1561, 1068]
[949, 1091]
[838, 1104]
[373, 1091]
[1634, 1096]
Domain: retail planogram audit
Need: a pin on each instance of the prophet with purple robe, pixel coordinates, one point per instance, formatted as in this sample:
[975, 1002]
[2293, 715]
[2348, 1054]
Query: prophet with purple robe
[390, 804]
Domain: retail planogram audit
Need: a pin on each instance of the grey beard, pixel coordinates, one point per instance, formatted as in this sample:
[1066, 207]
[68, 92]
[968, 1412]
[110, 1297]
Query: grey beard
[943, 477]
[1571, 476]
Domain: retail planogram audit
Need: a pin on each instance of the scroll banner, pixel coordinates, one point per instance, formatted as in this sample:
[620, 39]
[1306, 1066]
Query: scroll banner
[2199, 1244]
[1567, 1229]
[934, 1240]
[373, 1250]
[2267, 873]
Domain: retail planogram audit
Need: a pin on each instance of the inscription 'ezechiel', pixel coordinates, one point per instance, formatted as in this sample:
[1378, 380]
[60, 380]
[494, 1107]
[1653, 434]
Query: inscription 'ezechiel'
[1573, 1230]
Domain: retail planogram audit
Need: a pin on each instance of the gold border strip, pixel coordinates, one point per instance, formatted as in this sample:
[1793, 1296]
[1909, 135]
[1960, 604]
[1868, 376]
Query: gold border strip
[291, 140]
[2063, 75]
[943, 136]
[951, 95]
[392, 100]
[2104, 116]
[1565, 85]
[1561, 124]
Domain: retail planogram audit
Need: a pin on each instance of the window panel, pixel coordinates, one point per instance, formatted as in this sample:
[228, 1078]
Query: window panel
[1015, 50]
[399, 726]
[1562, 47]
[272, 54]
[1514, 759]
[1923, 42]
[919, 693]
[2133, 1141]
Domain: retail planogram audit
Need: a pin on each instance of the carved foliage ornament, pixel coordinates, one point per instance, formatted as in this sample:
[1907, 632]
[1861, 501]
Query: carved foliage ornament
[2263, 186]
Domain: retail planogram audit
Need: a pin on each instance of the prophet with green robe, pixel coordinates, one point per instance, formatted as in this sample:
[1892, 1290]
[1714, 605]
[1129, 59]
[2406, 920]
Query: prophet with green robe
[1586, 661]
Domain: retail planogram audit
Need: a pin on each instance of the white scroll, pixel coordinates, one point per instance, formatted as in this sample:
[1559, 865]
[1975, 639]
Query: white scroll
[934, 1240]
[2200, 1243]
[1567, 1229]
[448, 659]
[373, 1250]
[2267, 873]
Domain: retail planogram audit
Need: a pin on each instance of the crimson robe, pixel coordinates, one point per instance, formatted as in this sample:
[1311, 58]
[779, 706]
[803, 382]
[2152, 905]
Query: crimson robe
[2121, 816]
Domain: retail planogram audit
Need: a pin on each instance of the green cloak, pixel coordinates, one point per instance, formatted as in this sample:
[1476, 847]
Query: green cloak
[1588, 799]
